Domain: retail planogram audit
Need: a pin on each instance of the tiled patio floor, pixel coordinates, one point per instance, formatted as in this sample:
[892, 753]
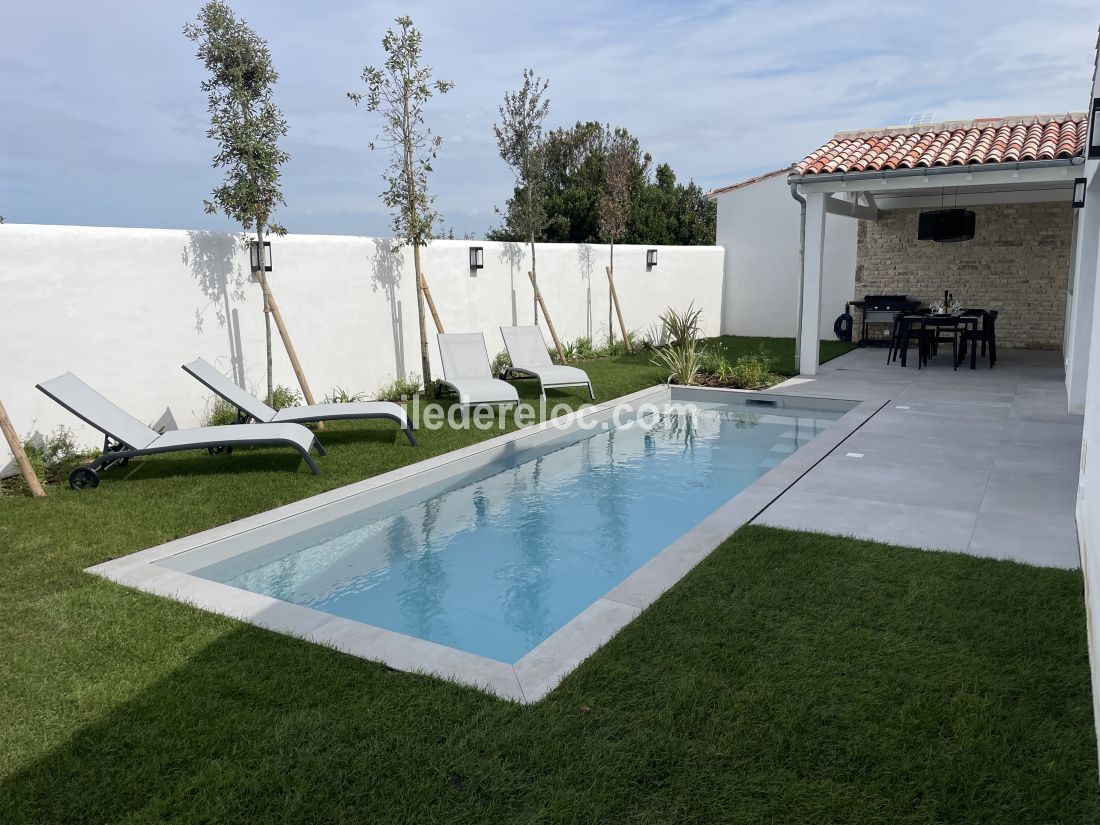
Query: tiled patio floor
[984, 462]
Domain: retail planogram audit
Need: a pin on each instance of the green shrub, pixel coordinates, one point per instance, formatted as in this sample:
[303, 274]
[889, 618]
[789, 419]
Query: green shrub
[714, 363]
[282, 397]
[219, 412]
[683, 361]
[613, 347]
[583, 347]
[681, 326]
[750, 372]
[502, 362]
[341, 396]
[400, 388]
[52, 456]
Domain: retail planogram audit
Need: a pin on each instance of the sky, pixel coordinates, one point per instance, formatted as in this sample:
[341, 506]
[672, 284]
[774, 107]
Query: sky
[102, 121]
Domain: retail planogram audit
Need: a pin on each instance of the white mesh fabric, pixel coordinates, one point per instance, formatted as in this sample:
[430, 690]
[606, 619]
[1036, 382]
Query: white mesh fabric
[526, 346]
[464, 355]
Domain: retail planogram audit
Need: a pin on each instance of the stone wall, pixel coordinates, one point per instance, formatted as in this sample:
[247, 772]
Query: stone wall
[1017, 263]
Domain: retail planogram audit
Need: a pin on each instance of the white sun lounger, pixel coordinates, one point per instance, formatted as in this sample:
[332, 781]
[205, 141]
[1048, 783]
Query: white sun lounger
[467, 371]
[125, 437]
[251, 407]
[527, 349]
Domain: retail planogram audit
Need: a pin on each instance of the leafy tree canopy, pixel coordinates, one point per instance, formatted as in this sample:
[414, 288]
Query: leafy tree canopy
[244, 120]
[661, 211]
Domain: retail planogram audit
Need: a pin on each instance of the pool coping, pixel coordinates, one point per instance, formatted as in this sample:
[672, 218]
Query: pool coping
[534, 675]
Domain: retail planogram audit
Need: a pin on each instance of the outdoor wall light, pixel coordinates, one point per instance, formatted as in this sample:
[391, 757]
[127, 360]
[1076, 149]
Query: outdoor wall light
[477, 257]
[1079, 193]
[254, 255]
[1094, 131]
[651, 258]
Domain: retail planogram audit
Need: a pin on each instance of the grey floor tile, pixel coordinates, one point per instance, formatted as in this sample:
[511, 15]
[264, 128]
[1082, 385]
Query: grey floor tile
[1063, 458]
[1025, 539]
[902, 524]
[1045, 495]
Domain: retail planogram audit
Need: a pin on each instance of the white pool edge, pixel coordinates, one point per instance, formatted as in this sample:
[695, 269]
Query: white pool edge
[542, 669]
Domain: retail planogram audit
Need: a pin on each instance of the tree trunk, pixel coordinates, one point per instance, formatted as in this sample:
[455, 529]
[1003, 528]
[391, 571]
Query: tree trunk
[415, 234]
[21, 459]
[534, 278]
[273, 308]
[425, 363]
[267, 338]
[610, 302]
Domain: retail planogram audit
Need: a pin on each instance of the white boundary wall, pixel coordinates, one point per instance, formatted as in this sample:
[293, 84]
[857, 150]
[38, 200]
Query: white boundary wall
[124, 308]
[758, 224]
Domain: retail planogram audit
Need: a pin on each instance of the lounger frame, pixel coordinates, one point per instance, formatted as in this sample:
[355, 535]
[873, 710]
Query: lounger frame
[305, 416]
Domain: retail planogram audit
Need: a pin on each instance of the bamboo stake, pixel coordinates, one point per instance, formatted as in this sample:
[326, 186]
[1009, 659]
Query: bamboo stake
[431, 303]
[546, 315]
[618, 310]
[20, 455]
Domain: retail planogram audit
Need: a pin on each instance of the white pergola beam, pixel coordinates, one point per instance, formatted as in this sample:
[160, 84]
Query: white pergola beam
[850, 209]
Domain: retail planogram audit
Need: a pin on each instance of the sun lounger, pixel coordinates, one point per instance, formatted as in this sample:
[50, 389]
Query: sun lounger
[467, 371]
[250, 407]
[125, 437]
[527, 350]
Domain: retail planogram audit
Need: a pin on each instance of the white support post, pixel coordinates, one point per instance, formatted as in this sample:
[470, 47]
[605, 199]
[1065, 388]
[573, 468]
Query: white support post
[1087, 239]
[813, 273]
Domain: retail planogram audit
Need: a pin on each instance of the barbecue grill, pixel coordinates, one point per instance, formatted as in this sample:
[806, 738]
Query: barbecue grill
[879, 311]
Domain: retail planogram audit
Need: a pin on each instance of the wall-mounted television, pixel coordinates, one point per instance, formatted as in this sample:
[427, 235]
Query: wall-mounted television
[946, 225]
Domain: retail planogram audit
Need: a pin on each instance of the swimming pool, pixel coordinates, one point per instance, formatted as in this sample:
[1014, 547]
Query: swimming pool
[495, 558]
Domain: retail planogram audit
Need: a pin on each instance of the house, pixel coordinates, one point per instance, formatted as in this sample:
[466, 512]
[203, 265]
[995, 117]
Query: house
[758, 225]
[854, 209]
[1016, 174]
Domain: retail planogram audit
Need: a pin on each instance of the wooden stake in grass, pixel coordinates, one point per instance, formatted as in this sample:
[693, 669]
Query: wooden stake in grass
[618, 310]
[431, 303]
[20, 455]
[546, 315]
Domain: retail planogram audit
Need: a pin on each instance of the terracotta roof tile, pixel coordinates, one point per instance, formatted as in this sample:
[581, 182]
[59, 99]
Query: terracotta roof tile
[955, 143]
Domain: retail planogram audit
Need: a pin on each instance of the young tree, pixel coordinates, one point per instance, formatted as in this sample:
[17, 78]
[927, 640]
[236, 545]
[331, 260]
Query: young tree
[519, 139]
[247, 125]
[619, 163]
[398, 91]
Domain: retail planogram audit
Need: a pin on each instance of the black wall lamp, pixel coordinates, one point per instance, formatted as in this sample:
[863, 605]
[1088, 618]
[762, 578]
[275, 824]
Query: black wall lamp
[1079, 193]
[651, 258]
[1094, 131]
[477, 257]
[254, 255]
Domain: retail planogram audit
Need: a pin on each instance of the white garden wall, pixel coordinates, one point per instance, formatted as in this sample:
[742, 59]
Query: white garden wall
[758, 224]
[123, 308]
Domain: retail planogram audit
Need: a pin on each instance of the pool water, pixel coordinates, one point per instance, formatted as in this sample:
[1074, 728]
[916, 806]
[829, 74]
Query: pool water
[496, 561]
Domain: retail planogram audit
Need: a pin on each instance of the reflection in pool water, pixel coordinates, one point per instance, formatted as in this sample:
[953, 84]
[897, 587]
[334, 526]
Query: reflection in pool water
[495, 562]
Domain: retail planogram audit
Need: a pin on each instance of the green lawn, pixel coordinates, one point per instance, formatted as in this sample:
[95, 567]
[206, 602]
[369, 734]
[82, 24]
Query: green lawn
[789, 678]
[780, 349]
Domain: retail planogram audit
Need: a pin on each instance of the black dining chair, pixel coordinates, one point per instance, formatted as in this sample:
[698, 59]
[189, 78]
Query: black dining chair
[907, 327]
[944, 330]
[987, 333]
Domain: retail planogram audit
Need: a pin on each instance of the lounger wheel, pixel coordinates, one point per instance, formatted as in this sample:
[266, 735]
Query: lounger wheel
[82, 477]
[216, 451]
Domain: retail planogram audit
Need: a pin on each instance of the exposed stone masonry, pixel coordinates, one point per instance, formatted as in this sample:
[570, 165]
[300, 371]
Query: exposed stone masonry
[1017, 263]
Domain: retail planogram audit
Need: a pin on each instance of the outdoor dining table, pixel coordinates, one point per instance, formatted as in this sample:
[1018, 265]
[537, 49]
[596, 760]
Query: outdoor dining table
[969, 323]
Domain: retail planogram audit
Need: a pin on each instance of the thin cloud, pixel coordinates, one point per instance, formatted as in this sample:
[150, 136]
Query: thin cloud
[109, 128]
